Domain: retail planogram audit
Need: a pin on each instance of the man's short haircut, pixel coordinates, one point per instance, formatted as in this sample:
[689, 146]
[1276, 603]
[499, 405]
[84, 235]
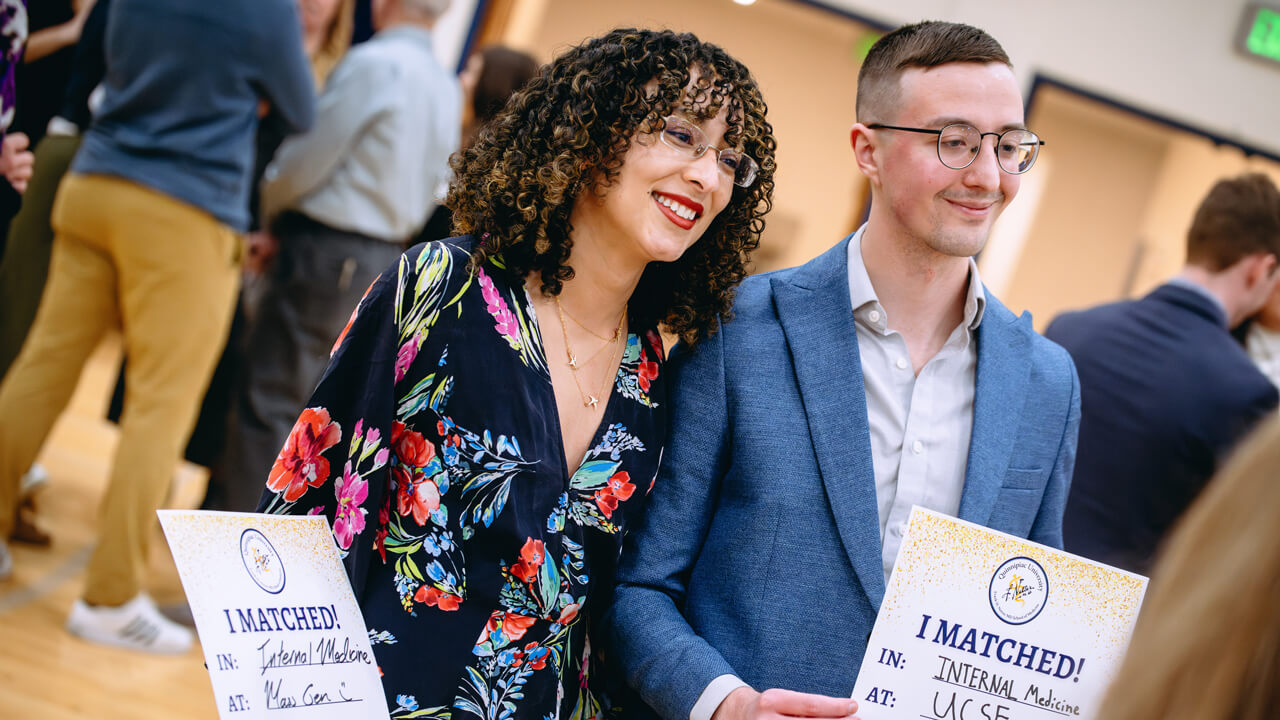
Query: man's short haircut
[1239, 217]
[922, 45]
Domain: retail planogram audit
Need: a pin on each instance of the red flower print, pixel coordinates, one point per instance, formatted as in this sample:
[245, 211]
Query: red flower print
[531, 557]
[380, 537]
[416, 494]
[513, 626]
[436, 598]
[410, 447]
[606, 502]
[646, 372]
[536, 656]
[621, 486]
[300, 463]
[569, 612]
[618, 489]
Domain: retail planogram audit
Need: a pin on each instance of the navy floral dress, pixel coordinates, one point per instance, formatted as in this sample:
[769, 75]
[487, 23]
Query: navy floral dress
[481, 557]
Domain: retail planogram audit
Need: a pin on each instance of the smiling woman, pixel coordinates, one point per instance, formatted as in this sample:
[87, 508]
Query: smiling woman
[571, 132]
[494, 415]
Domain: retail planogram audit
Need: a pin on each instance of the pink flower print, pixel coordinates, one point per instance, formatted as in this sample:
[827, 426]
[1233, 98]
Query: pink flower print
[504, 321]
[407, 353]
[348, 521]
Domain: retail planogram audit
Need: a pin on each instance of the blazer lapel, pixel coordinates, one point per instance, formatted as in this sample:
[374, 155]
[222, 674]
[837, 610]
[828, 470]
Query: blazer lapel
[1004, 368]
[814, 309]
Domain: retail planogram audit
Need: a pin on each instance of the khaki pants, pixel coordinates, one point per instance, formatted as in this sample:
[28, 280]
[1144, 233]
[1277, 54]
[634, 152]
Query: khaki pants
[165, 273]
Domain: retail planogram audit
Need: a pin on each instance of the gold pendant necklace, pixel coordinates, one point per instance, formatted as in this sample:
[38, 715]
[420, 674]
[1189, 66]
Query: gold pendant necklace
[588, 400]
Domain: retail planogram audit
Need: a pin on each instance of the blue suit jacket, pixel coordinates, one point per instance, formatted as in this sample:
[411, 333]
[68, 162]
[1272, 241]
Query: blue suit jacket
[1167, 393]
[759, 555]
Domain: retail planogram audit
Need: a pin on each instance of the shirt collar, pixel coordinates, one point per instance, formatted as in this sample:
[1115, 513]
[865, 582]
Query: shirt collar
[1187, 283]
[410, 31]
[864, 300]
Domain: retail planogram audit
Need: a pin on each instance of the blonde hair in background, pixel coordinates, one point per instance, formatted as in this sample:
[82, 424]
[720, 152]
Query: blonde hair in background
[1207, 644]
[336, 43]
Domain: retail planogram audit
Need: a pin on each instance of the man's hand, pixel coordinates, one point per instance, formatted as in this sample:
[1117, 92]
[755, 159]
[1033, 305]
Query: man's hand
[17, 162]
[261, 250]
[747, 704]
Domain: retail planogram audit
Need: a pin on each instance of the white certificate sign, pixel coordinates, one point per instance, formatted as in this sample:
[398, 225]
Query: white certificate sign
[281, 631]
[980, 625]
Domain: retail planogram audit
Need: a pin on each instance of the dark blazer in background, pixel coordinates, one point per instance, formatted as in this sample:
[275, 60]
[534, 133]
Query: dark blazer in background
[1166, 392]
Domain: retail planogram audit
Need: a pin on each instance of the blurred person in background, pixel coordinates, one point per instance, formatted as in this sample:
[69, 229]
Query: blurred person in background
[15, 159]
[1261, 337]
[326, 36]
[1207, 644]
[43, 75]
[340, 202]
[1166, 392]
[147, 242]
[26, 260]
[494, 415]
[488, 79]
[326, 27]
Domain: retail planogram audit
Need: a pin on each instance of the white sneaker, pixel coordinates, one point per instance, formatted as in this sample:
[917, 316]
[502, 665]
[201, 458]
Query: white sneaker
[136, 625]
[6, 561]
[35, 479]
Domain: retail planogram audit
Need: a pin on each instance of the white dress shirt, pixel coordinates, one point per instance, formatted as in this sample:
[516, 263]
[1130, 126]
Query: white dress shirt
[920, 425]
[1263, 345]
[387, 122]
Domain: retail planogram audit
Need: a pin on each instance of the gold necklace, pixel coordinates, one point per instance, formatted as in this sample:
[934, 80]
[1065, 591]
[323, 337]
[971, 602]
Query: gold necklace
[588, 400]
[593, 333]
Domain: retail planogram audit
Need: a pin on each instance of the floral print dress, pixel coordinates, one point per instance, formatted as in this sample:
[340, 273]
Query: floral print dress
[480, 555]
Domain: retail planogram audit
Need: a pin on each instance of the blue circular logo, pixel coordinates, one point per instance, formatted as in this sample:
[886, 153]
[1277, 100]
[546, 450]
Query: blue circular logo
[261, 561]
[1019, 590]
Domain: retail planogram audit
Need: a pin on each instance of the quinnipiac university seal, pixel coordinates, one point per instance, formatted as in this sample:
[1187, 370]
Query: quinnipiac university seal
[262, 561]
[1019, 589]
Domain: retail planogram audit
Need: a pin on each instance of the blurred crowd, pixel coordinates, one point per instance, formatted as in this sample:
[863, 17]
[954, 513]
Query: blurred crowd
[224, 180]
[221, 182]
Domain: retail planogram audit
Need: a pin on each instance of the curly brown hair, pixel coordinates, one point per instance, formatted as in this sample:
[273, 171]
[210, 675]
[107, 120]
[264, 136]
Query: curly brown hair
[566, 132]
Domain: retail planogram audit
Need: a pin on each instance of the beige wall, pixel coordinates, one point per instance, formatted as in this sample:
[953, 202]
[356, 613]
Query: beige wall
[1191, 167]
[1174, 58]
[1083, 242]
[1119, 192]
[1101, 217]
[805, 63]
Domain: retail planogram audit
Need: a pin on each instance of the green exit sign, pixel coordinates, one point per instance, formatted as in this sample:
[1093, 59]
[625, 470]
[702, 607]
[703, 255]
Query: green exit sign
[1261, 32]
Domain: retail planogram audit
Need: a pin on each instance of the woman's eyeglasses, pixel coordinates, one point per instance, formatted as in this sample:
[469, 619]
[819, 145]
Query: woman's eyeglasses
[682, 135]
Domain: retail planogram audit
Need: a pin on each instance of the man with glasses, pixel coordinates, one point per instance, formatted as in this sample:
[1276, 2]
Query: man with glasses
[876, 377]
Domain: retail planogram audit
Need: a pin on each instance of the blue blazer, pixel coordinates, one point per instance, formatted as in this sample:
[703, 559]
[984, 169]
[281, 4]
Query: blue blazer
[1167, 393]
[759, 554]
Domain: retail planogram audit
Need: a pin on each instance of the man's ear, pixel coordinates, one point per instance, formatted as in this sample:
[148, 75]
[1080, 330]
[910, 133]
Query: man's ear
[865, 151]
[1261, 269]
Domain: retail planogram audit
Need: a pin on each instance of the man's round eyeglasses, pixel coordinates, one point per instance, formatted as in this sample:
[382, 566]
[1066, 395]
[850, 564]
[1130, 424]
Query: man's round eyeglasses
[959, 144]
[682, 135]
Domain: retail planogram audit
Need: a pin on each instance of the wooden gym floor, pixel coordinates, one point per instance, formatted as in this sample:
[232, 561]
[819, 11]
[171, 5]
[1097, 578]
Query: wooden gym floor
[46, 672]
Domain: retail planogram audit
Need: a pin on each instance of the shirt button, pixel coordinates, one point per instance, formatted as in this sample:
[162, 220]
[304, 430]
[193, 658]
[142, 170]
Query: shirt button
[917, 447]
[874, 316]
[902, 364]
